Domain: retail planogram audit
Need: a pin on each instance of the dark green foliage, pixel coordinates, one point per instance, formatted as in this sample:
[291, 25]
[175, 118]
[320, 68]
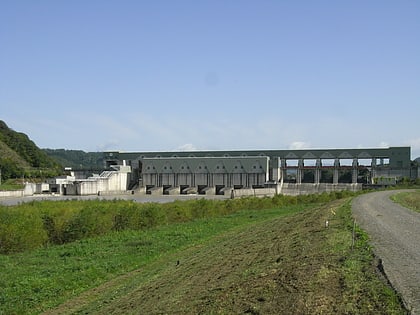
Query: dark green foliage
[10, 169]
[19, 156]
[77, 159]
[20, 230]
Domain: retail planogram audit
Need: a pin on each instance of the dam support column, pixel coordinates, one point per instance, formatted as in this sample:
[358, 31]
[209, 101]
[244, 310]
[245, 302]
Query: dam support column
[283, 170]
[355, 171]
[317, 172]
[373, 172]
[336, 169]
[299, 173]
[276, 170]
[277, 173]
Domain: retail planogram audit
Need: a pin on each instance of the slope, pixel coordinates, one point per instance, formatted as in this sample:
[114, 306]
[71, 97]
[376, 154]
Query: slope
[286, 265]
[8, 154]
[77, 159]
[19, 155]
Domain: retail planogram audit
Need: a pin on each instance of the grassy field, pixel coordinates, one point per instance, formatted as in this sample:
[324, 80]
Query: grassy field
[410, 200]
[267, 261]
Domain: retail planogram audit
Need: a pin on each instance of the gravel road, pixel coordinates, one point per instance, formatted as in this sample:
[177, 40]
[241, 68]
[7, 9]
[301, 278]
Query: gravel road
[395, 236]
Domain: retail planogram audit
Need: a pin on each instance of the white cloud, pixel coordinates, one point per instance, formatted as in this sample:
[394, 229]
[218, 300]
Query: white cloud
[299, 145]
[187, 147]
[111, 145]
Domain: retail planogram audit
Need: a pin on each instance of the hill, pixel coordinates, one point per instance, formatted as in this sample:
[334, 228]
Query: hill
[20, 156]
[77, 159]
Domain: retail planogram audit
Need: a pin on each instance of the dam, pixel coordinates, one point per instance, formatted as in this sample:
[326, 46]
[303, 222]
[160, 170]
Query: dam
[262, 172]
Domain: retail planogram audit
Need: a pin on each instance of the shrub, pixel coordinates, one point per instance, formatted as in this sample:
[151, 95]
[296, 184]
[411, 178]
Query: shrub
[20, 231]
[36, 224]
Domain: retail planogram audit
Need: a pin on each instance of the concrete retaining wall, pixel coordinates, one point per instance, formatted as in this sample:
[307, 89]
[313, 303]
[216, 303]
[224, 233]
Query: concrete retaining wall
[29, 190]
[11, 194]
[257, 192]
[305, 189]
[294, 190]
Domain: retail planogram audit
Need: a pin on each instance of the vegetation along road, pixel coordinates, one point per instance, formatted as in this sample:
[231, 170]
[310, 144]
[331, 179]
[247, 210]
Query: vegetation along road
[395, 236]
[137, 198]
[280, 255]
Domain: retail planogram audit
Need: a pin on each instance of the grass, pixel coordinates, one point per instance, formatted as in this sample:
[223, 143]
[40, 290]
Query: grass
[34, 281]
[359, 269]
[282, 264]
[410, 200]
[11, 184]
[311, 263]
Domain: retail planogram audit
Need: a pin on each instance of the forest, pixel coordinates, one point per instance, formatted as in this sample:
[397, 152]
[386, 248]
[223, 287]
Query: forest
[20, 156]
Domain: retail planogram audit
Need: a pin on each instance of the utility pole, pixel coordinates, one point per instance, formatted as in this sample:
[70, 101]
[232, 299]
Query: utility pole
[0, 176]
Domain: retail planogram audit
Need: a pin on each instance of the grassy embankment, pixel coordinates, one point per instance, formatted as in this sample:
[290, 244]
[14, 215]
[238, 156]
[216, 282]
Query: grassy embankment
[11, 184]
[410, 200]
[282, 255]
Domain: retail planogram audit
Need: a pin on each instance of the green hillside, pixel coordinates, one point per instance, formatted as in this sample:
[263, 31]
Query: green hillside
[77, 159]
[19, 156]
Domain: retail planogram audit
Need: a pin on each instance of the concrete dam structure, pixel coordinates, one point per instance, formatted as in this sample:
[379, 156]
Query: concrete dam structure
[263, 172]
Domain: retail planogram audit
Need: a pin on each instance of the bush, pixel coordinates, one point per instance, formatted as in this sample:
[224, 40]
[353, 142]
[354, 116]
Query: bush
[20, 231]
[35, 224]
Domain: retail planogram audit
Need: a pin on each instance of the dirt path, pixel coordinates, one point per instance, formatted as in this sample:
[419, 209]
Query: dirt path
[395, 235]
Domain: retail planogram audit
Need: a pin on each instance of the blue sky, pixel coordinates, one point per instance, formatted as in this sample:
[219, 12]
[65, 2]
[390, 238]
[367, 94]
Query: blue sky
[170, 75]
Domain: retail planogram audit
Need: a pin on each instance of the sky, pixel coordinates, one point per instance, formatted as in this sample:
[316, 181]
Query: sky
[134, 75]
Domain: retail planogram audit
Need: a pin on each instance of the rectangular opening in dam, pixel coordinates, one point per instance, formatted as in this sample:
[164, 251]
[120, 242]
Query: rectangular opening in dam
[364, 162]
[219, 189]
[291, 175]
[201, 189]
[327, 162]
[346, 162]
[292, 163]
[309, 162]
[382, 162]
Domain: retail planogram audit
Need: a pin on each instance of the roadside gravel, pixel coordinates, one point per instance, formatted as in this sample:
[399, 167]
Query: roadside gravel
[395, 235]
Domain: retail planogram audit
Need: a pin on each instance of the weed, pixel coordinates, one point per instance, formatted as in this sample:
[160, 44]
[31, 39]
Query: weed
[410, 199]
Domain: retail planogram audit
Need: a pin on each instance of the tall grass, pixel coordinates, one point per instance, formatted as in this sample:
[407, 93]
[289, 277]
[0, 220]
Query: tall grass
[409, 200]
[36, 280]
[41, 223]
[135, 235]
[363, 289]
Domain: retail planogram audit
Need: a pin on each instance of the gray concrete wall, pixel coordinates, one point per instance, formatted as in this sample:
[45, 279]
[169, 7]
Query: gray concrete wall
[90, 188]
[29, 190]
[11, 193]
[258, 192]
[305, 189]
